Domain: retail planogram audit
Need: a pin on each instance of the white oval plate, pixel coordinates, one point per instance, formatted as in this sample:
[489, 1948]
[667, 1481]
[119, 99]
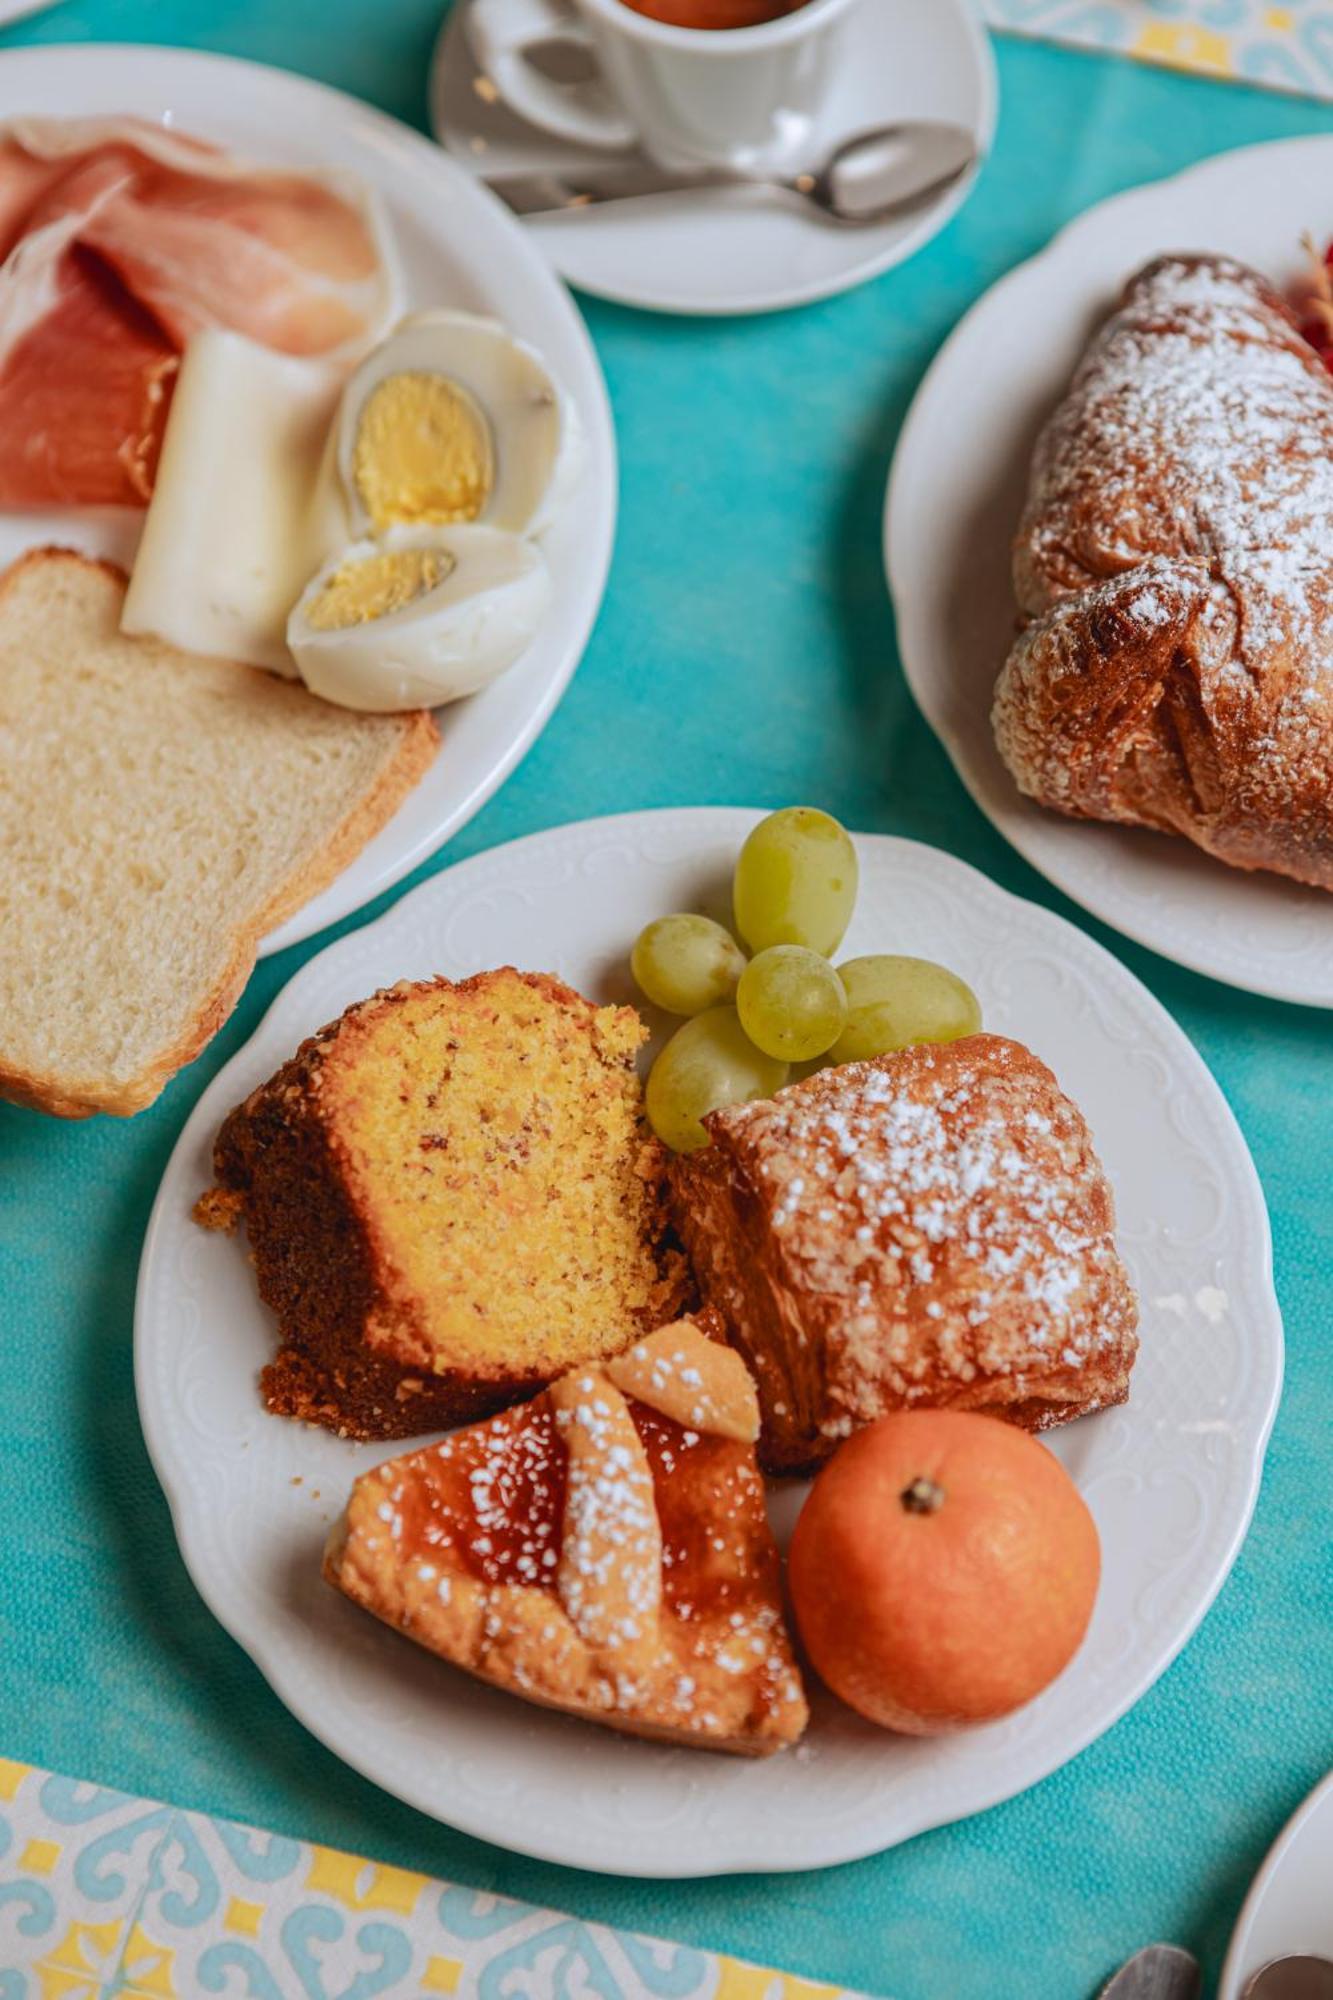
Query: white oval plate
[1288, 1909]
[727, 254]
[456, 246]
[1171, 1478]
[955, 495]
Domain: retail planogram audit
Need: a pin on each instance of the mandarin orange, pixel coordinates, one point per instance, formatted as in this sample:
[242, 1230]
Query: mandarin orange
[943, 1570]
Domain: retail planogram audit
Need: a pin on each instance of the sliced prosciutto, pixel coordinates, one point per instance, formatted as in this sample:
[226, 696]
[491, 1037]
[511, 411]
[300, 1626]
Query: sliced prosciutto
[121, 240]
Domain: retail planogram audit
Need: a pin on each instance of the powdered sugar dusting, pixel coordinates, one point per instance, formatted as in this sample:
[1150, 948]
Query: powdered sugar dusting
[1178, 548]
[610, 1574]
[1209, 422]
[966, 1204]
[590, 1552]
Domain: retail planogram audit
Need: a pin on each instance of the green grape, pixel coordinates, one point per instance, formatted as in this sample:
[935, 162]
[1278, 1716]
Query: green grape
[708, 1062]
[686, 964]
[791, 1003]
[892, 1002]
[796, 882]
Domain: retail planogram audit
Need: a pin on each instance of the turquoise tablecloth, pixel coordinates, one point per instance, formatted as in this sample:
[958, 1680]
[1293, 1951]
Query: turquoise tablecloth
[747, 605]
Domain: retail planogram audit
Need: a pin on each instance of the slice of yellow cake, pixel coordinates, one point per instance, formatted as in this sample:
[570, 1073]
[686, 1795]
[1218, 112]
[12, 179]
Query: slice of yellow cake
[604, 1550]
[451, 1197]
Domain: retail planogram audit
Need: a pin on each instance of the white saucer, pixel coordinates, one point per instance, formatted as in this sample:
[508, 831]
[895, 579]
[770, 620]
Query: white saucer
[719, 253]
[1171, 1478]
[955, 496]
[1288, 1909]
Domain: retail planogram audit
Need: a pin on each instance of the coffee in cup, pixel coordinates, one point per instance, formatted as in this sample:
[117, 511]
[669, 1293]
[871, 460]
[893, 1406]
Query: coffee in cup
[714, 13]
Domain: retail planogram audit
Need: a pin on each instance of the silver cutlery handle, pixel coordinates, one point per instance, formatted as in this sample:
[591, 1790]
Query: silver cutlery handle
[556, 193]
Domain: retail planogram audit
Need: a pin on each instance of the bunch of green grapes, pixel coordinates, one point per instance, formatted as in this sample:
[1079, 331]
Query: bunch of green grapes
[748, 1020]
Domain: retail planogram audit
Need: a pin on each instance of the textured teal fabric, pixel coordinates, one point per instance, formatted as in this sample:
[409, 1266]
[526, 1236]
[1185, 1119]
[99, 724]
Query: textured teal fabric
[747, 605]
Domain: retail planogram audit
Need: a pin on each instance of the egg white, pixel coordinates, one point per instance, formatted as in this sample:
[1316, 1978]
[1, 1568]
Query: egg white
[448, 642]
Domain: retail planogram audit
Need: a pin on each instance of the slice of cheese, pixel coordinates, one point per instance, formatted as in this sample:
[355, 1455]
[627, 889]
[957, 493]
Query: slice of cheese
[239, 518]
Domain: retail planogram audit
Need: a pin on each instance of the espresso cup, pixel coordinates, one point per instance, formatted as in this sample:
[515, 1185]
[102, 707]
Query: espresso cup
[691, 97]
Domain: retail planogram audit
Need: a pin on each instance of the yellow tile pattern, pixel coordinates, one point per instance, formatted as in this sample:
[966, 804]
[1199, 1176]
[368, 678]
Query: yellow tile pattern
[11, 1777]
[151, 1942]
[1186, 46]
[149, 1969]
[244, 1917]
[737, 1980]
[364, 1885]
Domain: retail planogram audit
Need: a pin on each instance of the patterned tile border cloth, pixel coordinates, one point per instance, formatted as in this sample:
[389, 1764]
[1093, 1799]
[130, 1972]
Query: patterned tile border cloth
[1282, 47]
[108, 1897]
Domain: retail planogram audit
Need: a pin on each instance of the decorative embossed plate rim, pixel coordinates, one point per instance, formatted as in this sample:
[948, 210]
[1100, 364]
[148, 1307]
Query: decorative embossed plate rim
[1184, 1457]
[954, 498]
[454, 243]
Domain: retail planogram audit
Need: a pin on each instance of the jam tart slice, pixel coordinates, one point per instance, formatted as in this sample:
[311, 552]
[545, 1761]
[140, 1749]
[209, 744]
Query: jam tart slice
[603, 1549]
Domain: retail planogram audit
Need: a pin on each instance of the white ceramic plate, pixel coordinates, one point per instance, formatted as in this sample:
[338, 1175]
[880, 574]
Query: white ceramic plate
[1171, 1478]
[724, 253]
[457, 246]
[955, 496]
[1288, 1909]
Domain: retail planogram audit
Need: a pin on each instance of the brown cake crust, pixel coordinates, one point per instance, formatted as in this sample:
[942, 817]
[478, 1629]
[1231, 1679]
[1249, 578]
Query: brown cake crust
[930, 1229]
[1174, 576]
[359, 1352]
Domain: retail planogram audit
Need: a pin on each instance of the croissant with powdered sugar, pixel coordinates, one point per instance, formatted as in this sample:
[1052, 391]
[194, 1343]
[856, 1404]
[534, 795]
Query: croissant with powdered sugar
[1174, 571]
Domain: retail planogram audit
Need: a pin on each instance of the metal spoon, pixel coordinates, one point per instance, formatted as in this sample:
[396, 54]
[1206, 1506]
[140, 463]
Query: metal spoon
[865, 179]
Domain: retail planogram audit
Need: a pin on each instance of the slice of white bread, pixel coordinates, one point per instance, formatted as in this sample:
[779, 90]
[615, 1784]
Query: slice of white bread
[159, 814]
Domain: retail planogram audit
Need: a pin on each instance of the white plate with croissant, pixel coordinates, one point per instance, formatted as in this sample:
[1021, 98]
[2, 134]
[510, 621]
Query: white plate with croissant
[1170, 1474]
[1108, 522]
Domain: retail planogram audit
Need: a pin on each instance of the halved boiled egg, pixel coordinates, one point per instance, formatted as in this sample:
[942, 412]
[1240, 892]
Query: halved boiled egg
[419, 617]
[453, 420]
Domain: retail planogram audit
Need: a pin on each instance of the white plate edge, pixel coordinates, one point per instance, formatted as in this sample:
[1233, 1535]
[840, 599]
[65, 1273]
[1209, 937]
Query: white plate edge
[1235, 1967]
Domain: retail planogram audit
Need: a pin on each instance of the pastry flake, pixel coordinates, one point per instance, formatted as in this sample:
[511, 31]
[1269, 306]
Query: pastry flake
[591, 1553]
[711, 1391]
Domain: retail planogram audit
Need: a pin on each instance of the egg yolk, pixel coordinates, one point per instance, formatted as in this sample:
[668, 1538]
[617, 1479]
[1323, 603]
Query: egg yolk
[374, 586]
[423, 452]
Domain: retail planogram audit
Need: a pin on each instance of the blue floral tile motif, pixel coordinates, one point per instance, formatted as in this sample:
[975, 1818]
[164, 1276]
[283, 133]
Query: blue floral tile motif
[1281, 46]
[108, 1897]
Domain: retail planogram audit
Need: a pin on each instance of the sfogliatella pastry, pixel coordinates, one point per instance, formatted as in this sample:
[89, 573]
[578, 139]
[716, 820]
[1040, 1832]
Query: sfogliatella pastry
[1174, 569]
[929, 1229]
[451, 1197]
[603, 1549]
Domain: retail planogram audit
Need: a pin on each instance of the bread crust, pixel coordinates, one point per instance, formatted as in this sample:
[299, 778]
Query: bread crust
[930, 1229]
[62, 1097]
[1174, 574]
